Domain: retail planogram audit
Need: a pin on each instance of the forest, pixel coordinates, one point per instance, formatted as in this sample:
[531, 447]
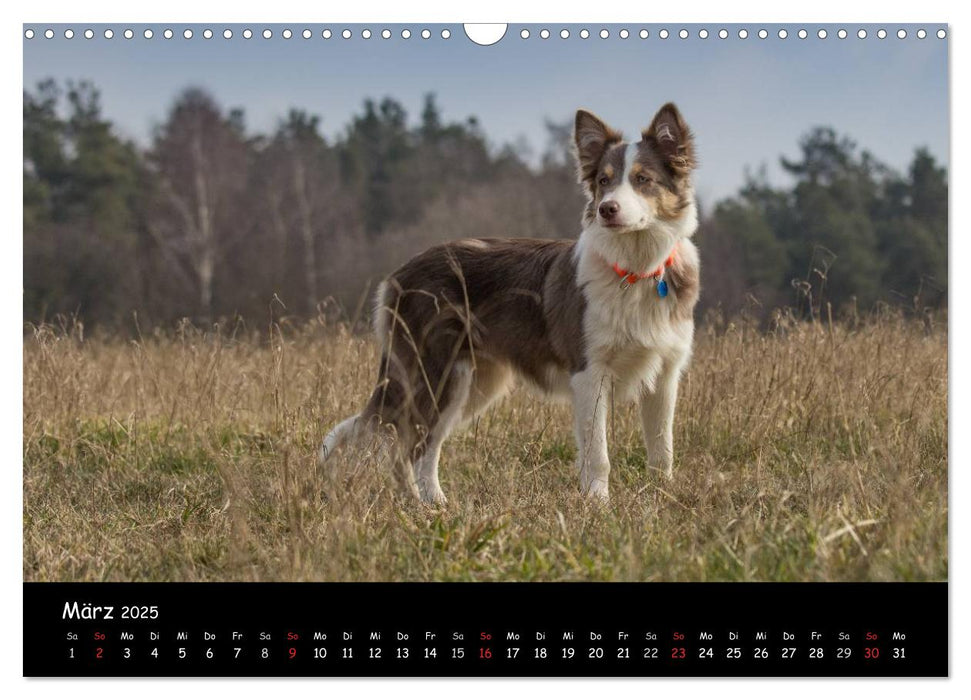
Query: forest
[211, 222]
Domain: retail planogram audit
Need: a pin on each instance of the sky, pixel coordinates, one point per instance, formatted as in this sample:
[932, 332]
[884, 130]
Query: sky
[748, 100]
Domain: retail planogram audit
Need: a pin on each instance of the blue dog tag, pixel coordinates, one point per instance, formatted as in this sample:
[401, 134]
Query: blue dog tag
[662, 288]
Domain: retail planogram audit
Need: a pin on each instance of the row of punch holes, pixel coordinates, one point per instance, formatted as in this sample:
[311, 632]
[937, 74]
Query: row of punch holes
[447, 33]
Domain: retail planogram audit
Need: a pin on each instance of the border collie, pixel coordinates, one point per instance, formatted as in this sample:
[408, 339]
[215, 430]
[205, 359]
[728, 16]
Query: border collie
[460, 323]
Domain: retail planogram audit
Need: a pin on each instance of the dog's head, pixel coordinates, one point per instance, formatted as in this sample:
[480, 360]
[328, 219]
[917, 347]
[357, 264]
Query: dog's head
[633, 186]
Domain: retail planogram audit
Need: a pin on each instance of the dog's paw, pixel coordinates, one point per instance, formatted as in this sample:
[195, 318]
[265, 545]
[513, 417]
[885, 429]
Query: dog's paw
[597, 491]
[666, 470]
[432, 496]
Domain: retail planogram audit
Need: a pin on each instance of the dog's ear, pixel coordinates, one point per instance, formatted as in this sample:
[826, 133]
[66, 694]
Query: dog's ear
[591, 137]
[671, 138]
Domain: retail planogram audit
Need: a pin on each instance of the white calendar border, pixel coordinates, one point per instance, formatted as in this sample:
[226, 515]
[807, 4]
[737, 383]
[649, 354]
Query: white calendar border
[705, 11]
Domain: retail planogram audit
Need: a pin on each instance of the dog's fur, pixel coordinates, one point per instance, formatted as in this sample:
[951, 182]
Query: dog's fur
[459, 323]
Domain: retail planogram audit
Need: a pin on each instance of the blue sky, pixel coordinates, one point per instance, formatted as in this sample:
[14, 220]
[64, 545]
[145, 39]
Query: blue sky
[748, 100]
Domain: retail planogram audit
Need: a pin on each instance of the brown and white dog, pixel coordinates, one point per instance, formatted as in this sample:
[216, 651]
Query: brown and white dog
[461, 322]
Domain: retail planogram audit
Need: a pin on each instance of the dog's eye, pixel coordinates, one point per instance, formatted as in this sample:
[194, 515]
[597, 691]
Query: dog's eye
[642, 179]
[604, 181]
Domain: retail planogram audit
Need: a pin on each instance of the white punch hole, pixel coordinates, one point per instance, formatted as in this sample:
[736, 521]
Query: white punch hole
[487, 34]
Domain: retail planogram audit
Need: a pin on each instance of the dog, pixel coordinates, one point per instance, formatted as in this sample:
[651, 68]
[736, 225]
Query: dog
[459, 324]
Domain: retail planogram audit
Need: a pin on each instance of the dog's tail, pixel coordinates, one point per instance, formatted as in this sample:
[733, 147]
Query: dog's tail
[347, 429]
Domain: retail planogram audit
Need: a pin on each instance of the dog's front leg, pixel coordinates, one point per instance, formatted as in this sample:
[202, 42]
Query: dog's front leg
[657, 418]
[590, 399]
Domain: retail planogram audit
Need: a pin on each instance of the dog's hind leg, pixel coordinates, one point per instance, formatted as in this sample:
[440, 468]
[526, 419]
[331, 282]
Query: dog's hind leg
[490, 381]
[451, 408]
[347, 429]
[402, 462]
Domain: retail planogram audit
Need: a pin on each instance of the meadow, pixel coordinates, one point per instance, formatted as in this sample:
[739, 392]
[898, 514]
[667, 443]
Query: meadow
[806, 452]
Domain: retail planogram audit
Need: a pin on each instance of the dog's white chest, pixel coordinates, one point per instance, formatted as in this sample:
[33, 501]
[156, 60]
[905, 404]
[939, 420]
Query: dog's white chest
[631, 332]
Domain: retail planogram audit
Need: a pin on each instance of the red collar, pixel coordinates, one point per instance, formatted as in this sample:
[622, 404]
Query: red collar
[632, 277]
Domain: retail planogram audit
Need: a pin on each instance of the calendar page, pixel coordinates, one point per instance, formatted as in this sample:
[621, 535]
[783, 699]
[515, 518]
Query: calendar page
[485, 350]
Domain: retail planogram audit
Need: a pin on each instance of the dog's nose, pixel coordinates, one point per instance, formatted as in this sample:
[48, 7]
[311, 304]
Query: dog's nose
[608, 210]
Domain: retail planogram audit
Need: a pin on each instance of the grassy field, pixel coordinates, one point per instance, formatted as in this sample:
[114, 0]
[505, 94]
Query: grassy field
[814, 452]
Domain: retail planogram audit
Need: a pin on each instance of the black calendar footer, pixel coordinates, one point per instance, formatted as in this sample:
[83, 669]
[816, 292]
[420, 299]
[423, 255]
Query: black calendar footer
[485, 629]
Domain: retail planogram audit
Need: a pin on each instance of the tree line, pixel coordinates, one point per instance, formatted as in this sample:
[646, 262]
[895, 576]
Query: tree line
[211, 221]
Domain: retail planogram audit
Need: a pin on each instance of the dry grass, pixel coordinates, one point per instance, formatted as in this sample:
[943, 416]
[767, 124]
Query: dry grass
[809, 453]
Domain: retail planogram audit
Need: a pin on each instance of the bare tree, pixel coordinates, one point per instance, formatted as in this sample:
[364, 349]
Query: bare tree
[303, 187]
[199, 157]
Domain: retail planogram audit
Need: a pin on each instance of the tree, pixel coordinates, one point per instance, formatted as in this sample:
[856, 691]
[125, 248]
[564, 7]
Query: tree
[376, 145]
[301, 182]
[763, 257]
[832, 203]
[431, 120]
[46, 171]
[199, 158]
[912, 228]
[556, 182]
[80, 201]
